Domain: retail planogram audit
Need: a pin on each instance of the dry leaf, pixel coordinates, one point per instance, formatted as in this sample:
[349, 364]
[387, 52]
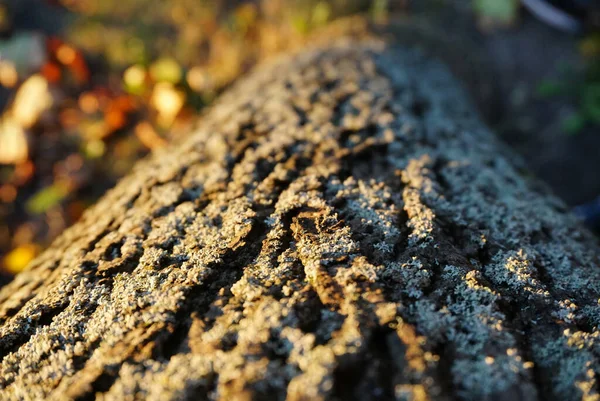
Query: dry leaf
[20, 257]
[168, 101]
[32, 99]
[14, 148]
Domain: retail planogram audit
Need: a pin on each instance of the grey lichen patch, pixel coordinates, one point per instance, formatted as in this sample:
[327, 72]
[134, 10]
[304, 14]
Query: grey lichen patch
[571, 362]
[340, 226]
[515, 270]
[370, 209]
[411, 277]
[490, 375]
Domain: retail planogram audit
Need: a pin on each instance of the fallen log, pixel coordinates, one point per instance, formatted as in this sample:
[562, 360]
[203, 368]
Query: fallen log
[340, 226]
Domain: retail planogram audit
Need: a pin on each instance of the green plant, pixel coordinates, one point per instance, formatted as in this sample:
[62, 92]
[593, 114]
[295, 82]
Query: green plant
[502, 12]
[582, 85]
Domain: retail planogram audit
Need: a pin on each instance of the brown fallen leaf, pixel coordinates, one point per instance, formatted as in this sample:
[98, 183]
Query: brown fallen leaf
[148, 136]
[14, 148]
[32, 99]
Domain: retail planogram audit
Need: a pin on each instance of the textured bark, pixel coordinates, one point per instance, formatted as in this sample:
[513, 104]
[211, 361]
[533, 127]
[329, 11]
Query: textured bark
[340, 226]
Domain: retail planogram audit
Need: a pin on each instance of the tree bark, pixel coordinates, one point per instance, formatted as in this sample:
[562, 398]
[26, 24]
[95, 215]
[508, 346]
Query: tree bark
[340, 226]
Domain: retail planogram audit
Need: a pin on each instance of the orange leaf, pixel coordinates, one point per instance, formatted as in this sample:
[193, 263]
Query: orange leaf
[80, 69]
[76, 209]
[52, 72]
[115, 118]
[124, 103]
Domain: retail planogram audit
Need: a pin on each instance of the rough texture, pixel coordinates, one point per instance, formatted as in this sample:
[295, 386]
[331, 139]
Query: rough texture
[341, 226]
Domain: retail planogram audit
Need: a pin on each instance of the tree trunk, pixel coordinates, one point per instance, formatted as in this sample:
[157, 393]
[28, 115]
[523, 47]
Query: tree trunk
[340, 226]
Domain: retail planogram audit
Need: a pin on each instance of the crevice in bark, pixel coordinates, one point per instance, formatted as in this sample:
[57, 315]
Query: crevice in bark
[371, 373]
[202, 390]
[91, 245]
[101, 384]
[419, 107]
[401, 246]
[316, 318]
[338, 114]
[224, 274]
[444, 373]
[302, 116]
[385, 368]
[113, 251]
[12, 342]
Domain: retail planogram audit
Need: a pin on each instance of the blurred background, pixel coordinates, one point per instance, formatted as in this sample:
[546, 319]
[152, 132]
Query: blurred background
[87, 87]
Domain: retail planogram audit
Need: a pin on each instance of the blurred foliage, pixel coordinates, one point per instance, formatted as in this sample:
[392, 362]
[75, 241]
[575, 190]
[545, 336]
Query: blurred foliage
[20, 257]
[581, 85]
[496, 12]
[47, 198]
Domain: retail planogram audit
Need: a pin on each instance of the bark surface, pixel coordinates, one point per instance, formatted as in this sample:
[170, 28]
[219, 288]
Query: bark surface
[340, 226]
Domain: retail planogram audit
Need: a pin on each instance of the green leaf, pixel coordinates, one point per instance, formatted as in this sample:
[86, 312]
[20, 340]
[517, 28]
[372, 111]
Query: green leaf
[300, 24]
[380, 9]
[46, 198]
[321, 14]
[591, 102]
[550, 88]
[503, 11]
[574, 123]
[166, 70]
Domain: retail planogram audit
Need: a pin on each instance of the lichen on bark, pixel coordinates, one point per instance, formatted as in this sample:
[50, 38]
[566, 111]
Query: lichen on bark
[341, 225]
